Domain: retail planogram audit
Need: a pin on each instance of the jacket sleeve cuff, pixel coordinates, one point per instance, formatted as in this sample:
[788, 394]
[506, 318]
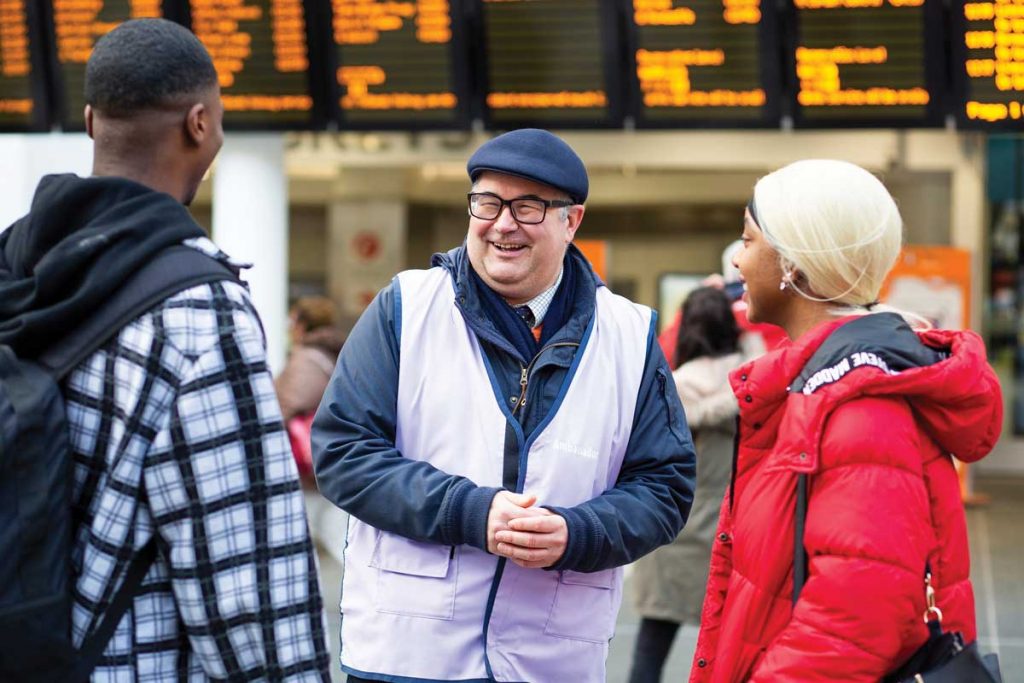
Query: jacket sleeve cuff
[467, 515]
[582, 544]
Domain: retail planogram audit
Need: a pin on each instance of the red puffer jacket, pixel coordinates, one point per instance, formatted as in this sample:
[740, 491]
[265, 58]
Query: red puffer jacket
[871, 411]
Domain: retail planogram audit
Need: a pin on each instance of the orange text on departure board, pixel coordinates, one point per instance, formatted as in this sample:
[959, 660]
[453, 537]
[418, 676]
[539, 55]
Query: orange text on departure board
[14, 56]
[272, 103]
[219, 25]
[665, 80]
[821, 86]
[741, 11]
[665, 13]
[358, 80]
[288, 31]
[565, 99]
[997, 28]
[78, 27]
[16, 106]
[855, 4]
[360, 22]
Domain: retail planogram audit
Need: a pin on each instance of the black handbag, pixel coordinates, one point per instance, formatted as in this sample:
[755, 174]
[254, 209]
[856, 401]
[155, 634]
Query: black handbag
[944, 658]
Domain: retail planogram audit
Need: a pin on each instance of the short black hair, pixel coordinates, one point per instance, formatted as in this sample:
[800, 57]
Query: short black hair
[145, 64]
[708, 326]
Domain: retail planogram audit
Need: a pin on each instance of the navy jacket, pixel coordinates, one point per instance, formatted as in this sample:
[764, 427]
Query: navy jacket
[359, 469]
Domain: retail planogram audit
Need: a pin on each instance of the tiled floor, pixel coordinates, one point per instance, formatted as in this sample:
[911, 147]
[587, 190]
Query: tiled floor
[997, 552]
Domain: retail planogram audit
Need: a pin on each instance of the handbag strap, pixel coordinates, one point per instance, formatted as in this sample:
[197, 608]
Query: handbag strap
[799, 553]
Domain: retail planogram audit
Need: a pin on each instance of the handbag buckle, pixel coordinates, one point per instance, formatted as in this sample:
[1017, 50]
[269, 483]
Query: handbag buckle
[932, 609]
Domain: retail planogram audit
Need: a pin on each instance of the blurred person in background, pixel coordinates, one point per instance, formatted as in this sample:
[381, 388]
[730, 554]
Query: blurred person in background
[668, 585]
[316, 343]
[755, 338]
[872, 411]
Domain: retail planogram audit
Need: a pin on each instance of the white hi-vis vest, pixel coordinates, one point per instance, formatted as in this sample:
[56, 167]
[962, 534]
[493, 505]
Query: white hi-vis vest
[423, 611]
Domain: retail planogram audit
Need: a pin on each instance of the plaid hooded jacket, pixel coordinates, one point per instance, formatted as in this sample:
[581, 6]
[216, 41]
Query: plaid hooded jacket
[176, 432]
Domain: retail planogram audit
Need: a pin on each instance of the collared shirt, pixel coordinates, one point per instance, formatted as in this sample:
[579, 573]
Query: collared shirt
[175, 432]
[540, 304]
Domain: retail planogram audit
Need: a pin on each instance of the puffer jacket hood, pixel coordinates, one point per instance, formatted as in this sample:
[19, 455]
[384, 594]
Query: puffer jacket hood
[936, 371]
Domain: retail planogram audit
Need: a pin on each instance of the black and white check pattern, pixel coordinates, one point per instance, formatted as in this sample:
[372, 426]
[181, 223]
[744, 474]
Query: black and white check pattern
[176, 431]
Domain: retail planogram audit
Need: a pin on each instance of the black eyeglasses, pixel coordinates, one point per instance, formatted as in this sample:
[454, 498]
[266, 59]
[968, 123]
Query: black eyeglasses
[527, 210]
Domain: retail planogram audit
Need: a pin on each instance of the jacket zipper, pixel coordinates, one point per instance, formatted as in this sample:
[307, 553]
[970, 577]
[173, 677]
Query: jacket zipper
[524, 374]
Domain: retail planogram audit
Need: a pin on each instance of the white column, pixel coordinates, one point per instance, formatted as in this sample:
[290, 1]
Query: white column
[25, 158]
[250, 223]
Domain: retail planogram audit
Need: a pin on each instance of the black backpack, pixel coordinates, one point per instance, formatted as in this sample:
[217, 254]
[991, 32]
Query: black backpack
[36, 527]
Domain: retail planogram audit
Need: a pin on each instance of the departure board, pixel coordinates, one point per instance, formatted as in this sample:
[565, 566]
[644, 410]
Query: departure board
[78, 24]
[704, 62]
[990, 64]
[551, 63]
[397, 65]
[19, 105]
[261, 52]
[866, 62]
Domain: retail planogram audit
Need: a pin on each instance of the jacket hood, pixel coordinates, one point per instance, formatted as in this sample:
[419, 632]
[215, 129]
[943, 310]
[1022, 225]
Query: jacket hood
[82, 238]
[942, 374]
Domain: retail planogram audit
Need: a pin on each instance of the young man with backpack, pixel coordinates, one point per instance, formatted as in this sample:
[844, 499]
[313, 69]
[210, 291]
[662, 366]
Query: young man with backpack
[151, 522]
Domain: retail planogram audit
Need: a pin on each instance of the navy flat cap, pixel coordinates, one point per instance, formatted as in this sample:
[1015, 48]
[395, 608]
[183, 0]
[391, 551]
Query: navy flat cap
[535, 155]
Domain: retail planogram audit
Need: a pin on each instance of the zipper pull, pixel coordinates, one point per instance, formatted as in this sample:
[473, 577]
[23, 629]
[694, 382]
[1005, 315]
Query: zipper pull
[523, 380]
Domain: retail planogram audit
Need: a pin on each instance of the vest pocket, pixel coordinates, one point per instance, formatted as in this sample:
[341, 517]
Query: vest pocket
[414, 578]
[582, 609]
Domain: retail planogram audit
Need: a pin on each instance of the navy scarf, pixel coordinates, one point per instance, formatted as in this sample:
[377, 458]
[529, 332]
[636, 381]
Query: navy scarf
[514, 328]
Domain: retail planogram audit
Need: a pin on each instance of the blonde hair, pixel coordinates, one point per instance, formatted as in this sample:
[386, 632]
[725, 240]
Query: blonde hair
[835, 224]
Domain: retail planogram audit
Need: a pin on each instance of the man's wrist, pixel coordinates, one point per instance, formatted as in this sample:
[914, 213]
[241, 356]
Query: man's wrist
[467, 515]
[576, 550]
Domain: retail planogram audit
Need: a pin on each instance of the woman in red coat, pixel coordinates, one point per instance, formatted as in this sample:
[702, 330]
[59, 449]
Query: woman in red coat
[873, 411]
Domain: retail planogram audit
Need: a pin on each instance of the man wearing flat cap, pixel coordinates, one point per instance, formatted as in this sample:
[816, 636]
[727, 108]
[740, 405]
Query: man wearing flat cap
[506, 435]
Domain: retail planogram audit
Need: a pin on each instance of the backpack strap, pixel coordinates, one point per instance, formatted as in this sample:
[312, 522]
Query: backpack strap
[173, 270]
[96, 643]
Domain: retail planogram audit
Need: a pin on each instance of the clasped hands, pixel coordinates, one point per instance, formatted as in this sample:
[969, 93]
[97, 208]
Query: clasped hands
[532, 537]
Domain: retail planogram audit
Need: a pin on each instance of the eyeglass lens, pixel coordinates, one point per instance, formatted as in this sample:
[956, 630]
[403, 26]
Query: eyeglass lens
[487, 207]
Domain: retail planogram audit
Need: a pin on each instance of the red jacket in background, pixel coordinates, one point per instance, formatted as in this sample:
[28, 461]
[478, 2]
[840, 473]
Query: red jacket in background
[873, 428]
[773, 336]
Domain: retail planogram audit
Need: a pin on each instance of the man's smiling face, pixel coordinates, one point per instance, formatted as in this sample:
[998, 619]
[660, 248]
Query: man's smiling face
[516, 260]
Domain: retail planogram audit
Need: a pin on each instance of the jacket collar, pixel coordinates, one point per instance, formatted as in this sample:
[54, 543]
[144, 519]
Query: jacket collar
[456, 262]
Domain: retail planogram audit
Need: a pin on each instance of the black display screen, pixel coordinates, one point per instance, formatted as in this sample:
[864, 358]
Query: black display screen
[704, 63]
[397, 64]
[551, 63]
[22, 86]
[867, 62]
[261, 50]
[988, 42]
